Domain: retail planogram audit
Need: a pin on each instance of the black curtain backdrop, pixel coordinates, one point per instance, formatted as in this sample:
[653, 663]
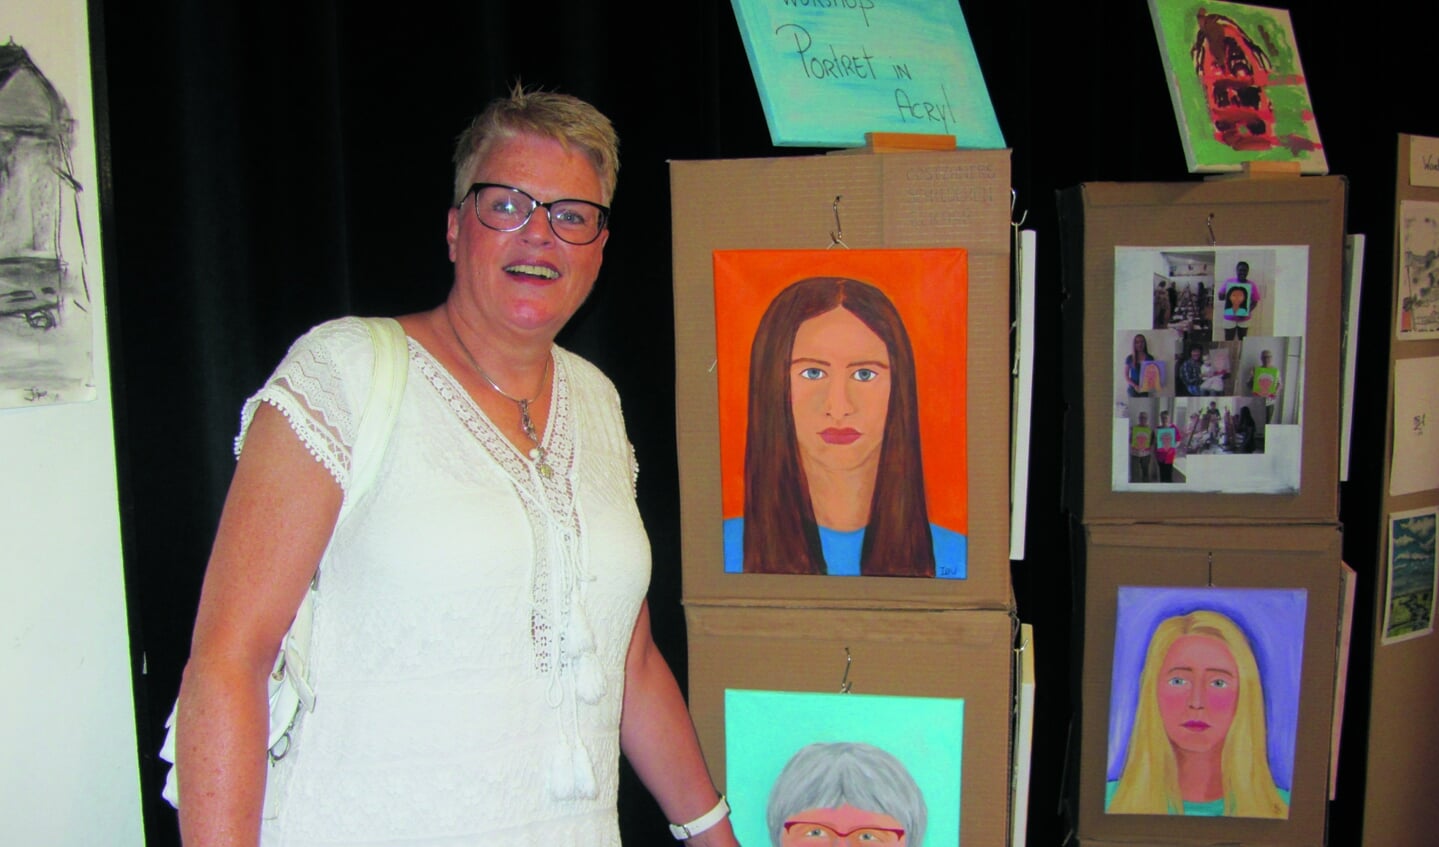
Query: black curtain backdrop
[272, 165]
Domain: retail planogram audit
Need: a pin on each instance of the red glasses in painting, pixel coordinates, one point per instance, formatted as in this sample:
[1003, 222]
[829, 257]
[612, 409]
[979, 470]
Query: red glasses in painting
[811, 834]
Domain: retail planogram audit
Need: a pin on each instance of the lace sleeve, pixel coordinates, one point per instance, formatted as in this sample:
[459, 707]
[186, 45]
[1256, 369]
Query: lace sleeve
[316, 387]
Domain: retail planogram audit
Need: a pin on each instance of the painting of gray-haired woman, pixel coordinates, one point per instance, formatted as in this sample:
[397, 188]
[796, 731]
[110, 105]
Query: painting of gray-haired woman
[845, 793]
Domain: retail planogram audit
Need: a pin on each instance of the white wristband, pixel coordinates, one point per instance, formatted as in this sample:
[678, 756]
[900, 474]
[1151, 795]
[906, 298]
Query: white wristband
[683, 831]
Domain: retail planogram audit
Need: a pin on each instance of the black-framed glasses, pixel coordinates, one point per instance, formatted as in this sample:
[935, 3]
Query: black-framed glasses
[505, 208]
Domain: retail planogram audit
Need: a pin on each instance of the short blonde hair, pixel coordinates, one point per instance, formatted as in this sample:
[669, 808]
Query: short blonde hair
[1150, 782]
[575, 124]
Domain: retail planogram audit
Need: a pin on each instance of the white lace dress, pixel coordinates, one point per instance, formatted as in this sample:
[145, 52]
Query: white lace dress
[473, 615]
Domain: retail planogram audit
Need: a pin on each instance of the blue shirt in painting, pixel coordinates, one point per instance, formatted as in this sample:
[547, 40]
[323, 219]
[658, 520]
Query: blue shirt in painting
[842, 550]
[1207, 809]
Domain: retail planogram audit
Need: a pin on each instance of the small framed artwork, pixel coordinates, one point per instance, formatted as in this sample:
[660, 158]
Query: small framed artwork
[1414, 466]
[1409, 597]
[1418, 297]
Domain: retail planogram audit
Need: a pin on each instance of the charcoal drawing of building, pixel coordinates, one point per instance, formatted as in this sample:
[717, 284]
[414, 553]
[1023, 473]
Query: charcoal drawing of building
[35, 176]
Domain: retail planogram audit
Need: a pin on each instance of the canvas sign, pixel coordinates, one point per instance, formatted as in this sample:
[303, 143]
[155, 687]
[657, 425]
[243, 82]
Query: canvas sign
[829, 72]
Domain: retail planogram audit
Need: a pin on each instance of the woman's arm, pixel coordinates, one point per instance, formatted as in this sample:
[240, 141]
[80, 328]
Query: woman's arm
[658, 738]
[278, 517]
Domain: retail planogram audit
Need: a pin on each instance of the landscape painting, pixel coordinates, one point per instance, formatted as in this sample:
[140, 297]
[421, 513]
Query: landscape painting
[1409, 601]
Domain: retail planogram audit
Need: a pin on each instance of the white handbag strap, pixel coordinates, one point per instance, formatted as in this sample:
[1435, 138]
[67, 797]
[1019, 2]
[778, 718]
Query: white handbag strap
[377, 422]
[387, 384]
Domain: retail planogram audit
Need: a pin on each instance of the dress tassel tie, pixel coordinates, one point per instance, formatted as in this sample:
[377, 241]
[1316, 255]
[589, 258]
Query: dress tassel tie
[572, 774]
[580, 653]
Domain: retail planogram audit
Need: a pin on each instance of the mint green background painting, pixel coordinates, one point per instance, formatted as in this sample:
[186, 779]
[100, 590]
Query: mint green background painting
[763, 729]
[828, 71]
[1176, 24]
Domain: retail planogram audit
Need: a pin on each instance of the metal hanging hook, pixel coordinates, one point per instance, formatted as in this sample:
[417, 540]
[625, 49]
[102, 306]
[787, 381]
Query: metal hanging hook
[844, 684]
[1210, 578]
[836, 236]
[1209, 224]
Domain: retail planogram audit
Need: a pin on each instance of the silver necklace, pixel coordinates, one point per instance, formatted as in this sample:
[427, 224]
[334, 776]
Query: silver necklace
[538, 454]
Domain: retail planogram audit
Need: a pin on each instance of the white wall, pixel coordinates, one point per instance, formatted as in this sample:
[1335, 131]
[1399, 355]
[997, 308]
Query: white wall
[67, 731]
[70, 775]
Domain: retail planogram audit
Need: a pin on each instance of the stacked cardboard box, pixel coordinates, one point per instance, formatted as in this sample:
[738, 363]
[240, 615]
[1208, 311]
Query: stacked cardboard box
[1147, 536]
[1399, 807]
[915, 637]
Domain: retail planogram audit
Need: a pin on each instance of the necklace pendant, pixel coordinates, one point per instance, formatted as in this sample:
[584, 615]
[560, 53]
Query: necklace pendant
[538, 455]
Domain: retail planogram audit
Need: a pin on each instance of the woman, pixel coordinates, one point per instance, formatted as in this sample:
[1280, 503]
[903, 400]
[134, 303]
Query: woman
[481, 648]
[1245, 431]
[1134, 364]
[845, 790]
[1141, 450]
[834, 483]
[1198, 745]
[1166, 438]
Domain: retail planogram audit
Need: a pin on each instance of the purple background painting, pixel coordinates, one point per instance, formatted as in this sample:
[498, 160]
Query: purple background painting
[1272, 619]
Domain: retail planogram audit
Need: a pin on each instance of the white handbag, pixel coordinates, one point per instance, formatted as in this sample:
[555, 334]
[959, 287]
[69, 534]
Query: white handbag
[290, 688]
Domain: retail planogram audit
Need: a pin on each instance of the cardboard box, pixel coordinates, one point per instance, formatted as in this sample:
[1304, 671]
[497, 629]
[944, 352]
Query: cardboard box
[1399, 807]
[1222, 556]
[1096, 218]
[951, 199]
[966, 654]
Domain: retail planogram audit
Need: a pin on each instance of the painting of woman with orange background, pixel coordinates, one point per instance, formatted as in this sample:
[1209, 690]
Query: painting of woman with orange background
[834, 475]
